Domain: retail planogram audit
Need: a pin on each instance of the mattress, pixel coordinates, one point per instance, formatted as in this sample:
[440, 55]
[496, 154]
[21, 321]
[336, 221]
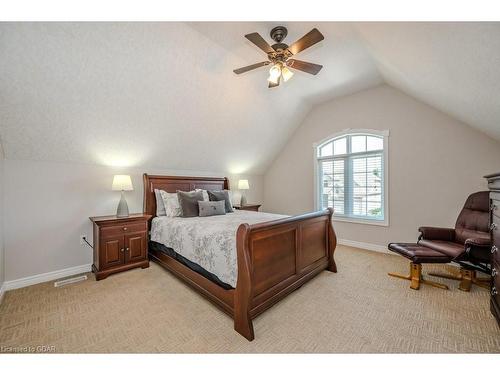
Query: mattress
[158, 247]
[210, 242]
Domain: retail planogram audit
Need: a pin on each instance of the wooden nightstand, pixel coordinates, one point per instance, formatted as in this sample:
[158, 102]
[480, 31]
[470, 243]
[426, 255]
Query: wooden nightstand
[248, 207]
[119, 244]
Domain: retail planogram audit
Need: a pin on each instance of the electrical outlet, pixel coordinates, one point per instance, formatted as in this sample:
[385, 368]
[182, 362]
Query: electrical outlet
[82, 239]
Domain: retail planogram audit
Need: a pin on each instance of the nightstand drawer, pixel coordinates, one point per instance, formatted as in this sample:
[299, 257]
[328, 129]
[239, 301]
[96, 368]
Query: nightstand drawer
[125, 228]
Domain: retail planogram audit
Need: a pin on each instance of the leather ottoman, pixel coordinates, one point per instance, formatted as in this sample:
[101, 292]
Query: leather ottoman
[418, 254]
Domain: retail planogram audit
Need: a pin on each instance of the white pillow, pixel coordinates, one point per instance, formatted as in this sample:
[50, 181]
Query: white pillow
[205, 194]
[160, 207]
[171, 202]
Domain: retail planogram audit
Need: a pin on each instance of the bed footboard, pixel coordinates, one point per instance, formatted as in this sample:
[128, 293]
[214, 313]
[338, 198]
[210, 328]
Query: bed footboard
[277, 257]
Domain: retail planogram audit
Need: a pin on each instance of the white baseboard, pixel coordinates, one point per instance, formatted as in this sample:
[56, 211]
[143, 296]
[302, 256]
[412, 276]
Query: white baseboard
[364, 245]
[49, 276]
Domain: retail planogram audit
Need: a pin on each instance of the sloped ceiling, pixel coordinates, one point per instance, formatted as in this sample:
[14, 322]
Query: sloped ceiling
[454, 67]
[163, 95]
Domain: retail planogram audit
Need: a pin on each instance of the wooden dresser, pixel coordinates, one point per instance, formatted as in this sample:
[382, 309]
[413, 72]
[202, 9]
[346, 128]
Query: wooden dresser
[119, 244]
[494, 186]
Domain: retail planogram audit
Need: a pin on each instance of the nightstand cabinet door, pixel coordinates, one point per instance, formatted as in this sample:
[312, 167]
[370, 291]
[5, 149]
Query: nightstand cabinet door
[111, 251]
[135, 247]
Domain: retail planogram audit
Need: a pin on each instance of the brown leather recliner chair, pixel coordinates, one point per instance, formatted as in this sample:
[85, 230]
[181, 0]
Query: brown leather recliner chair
[468, 243]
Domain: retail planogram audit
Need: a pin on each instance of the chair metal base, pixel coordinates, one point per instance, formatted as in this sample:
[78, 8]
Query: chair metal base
[416, 277]
[466, 278]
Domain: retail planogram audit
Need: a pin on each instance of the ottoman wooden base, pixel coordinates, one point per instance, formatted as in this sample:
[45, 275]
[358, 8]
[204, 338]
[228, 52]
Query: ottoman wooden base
[416, 277]
[418, 254]
[466, 278]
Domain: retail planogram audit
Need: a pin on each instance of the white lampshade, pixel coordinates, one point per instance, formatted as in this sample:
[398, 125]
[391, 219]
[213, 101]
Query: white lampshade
[122, 182]
[243, 185]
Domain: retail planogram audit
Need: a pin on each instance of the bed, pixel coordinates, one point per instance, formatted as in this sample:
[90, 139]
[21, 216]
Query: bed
[272, 255]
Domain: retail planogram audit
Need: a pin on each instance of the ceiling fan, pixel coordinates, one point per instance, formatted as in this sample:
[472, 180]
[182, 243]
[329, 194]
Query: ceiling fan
[279, 55]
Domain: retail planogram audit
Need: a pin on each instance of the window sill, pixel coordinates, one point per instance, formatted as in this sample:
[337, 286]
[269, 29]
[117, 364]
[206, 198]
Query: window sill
[380, 223]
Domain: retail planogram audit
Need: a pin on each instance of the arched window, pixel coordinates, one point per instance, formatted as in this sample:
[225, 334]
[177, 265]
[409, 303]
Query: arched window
[351, 176]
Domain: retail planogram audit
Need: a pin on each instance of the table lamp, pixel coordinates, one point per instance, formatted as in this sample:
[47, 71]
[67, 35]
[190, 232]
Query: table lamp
[243, 185]
[122, 183]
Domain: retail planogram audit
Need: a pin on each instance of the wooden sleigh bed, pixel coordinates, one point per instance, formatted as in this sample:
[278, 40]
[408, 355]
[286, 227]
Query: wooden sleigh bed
[274, 258]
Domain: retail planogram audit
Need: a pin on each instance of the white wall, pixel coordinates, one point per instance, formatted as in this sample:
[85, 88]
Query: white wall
[48, 205]
[435, 161]
[2, 214]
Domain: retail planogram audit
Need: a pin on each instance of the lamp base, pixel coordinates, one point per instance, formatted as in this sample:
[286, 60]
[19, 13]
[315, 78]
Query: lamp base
[243, 200]
[122, 210]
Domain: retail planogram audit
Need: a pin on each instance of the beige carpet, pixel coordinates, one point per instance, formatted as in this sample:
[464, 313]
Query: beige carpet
[359, 309]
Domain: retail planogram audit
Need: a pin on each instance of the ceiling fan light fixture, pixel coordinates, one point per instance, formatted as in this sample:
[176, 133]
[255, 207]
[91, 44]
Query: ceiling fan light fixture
[274, 74]
[286, 73]
[273, 80]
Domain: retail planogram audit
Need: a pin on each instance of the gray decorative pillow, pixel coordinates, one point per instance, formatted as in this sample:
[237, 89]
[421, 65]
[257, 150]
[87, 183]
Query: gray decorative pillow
[212, 208]
[221, 195]
[205, 194]
[189, 202]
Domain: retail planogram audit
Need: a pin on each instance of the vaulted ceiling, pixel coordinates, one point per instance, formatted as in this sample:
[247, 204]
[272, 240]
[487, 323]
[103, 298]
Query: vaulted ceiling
[163, 95]
[454, 67]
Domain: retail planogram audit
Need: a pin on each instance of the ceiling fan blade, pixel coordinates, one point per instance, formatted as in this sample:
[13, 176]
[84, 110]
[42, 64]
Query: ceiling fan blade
[271, 84]
[251, 67]
[304, 66]
[256, 39]
[311, 38]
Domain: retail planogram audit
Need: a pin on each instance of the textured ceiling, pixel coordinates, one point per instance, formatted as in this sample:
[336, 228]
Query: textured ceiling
[454, 67]
[164, 95]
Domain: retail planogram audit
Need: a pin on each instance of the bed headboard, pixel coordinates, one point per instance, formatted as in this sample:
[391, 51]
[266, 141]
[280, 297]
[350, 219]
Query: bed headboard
[173, 183]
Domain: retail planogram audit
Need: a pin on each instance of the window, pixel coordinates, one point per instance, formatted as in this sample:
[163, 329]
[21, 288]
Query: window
[351, 176]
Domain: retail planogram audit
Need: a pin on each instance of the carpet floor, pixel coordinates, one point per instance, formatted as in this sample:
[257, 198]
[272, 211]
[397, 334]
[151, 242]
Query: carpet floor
[358, 310]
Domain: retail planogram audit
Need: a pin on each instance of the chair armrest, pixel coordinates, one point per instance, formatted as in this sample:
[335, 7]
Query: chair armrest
[477, 250]
[439, 234]
[479, 242]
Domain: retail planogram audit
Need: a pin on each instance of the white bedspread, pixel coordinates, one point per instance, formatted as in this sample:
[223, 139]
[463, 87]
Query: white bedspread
[207, 241]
